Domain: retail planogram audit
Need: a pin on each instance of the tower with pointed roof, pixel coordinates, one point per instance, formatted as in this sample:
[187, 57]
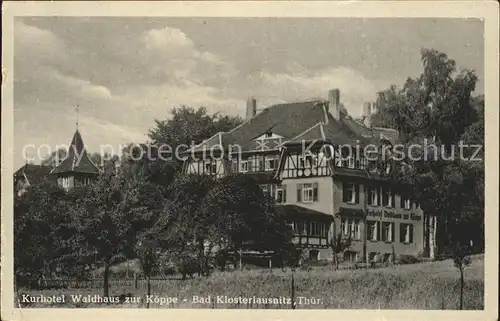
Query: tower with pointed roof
[77, 168]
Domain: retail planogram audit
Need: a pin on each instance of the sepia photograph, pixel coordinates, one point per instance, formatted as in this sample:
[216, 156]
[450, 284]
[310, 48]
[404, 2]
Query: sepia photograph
[238, 162]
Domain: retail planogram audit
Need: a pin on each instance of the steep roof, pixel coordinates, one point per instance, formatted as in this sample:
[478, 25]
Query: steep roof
[77, 160]
[34, 174]
[297, 122]
[286, 120]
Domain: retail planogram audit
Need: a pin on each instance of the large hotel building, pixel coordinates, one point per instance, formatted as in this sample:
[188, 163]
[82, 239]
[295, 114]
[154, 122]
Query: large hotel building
[293, 150]
[297, 153]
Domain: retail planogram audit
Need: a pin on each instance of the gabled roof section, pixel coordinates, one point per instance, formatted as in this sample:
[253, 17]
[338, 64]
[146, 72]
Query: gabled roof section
[286, 120]
[215, 140]
[77, 160]
[358, 127]
[334, 131]
[34, 174]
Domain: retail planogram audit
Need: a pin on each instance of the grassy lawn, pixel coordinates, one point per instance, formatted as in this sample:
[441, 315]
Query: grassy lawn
[430, 285]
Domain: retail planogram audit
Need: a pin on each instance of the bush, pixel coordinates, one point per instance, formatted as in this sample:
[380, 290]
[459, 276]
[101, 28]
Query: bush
[408, 259]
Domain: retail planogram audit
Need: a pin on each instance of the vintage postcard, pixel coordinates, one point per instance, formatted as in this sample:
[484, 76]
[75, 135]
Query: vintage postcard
[289, 160]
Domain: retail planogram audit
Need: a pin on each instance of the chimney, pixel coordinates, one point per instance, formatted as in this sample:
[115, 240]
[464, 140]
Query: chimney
[334, 103]
[251, 108]
[367, 114]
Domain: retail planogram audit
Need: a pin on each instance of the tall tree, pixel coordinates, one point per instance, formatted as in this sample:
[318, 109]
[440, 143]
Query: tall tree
[55, 158]
[436, 110]
[44, 232]
[187, 125]
[244, 216]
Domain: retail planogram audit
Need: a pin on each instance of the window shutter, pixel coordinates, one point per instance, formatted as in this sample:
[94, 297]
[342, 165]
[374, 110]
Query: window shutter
[393, 232]
[315, 191]
[299, 193]
[411, 233]
[345, 197]
[379, 230]
[356, 187]
[284, 193]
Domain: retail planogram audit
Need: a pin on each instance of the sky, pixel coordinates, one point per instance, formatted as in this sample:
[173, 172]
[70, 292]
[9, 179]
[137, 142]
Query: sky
[124, 73]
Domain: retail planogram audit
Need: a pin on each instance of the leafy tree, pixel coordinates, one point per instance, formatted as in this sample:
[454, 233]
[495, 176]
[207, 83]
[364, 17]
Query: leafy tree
[55, 157]
[188, 125]
[183, 227]
[339, 244]
[244, 216]
[143, 163]
[436, 110]
[44, 233]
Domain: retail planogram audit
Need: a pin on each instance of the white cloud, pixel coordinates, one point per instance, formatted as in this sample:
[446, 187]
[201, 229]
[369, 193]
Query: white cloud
[166, 39]
[300, 84]
[36, 41]
[81, 87]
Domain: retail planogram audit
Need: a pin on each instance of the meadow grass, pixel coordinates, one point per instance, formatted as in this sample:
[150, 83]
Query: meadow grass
[430, 285]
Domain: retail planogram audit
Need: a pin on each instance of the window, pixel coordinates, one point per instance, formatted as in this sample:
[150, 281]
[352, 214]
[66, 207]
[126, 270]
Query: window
[350, 193]
[351, 228]
[372, 230]
[234, 166]
[387, 232]
[259, 164]
[301, 228]
[210, 167]
[387, 198]
[313, 255]
[348, 162]
[265, 189]
[405, 203]
[362, 162]
[317, 229]
[65, 182]
[307, 193]
[338, 158]
[271, 163]
[352, 162]
[281, 194]
[373, 196]
[351, 256]
[406, 233]
[244, 166]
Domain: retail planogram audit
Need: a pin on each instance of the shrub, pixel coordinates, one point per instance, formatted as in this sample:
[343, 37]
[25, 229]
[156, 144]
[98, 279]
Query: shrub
[408, 259]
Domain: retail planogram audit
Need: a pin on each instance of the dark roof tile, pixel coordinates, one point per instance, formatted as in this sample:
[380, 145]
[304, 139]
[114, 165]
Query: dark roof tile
[34, 173]
[77, 159]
